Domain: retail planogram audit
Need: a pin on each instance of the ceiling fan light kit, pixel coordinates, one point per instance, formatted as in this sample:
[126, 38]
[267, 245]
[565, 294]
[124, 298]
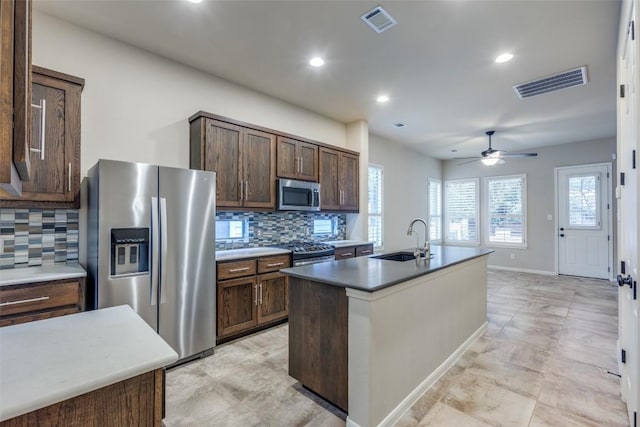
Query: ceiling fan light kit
[491, 156]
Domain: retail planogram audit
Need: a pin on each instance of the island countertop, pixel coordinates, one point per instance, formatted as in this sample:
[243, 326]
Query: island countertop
[372, 274]
[52, 360]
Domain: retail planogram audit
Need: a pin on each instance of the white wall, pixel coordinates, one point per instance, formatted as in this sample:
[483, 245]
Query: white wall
[405, 189]
[540, 253]
[135, 105]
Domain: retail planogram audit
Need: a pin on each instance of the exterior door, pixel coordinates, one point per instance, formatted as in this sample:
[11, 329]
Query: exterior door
[583, 221]
[628, 204]
[187, 270]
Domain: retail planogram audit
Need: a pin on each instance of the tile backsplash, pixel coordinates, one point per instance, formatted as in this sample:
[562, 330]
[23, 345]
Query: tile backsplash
[32, 237]
[275, 228]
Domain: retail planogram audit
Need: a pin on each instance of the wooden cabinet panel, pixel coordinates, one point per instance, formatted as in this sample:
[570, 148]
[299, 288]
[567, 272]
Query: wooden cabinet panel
[297, 159]
[34, 301]
[22, 89]
[258, 298]
[54, 143]
[329, 189]
[319, 338]
[273, 263]
[287, 158]
[237, 299]
[231, 269]
[222, 155]
[348, 178]
[273, 297]
[364, 250]
[344, 253]
[259, 156]
[243, 159]
[136, 401]
[338, 180]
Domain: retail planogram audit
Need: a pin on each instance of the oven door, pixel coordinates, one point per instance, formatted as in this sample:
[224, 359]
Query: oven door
[300, 262]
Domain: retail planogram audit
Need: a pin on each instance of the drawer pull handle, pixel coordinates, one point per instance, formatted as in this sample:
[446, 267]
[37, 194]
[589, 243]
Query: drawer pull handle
[346, 254]
[366, 252]
[235, 270]
[23, 301]
[275, 264]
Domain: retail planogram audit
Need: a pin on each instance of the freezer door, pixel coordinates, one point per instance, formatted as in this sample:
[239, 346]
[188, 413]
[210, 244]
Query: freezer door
[125, 200]
[187, 268]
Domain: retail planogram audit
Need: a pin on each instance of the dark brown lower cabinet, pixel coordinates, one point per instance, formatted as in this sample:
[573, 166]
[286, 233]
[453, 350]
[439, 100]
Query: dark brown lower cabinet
[319, 339]
[258, 299]
[136, 401]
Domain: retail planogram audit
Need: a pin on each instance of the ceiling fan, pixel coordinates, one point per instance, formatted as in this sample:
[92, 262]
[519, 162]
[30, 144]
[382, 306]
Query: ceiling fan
[491, 156]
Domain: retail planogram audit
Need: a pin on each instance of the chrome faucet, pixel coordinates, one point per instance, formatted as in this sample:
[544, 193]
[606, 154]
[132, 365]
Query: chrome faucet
[426, 247]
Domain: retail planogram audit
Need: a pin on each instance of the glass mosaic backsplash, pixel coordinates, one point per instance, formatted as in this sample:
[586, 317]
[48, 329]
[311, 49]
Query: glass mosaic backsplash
[32, 237]
[275, 228]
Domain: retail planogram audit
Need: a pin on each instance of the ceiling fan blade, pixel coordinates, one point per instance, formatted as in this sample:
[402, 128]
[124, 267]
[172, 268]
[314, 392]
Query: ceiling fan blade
[475, 159]
[518, 154]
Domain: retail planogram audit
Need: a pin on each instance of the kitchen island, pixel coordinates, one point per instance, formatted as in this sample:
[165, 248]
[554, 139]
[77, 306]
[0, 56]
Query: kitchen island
[101, 367]
[371, 335]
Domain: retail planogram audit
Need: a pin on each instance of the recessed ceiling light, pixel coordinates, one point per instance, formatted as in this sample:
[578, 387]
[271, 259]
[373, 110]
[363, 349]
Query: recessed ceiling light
[194, 1]
[316, 62]
[382, 99]
[504, 57]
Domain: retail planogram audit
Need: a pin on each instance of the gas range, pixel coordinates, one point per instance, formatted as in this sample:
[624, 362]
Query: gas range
[303, 253]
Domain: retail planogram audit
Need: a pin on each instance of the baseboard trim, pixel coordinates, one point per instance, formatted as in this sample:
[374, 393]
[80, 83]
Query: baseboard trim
[397, 413]
[522, 270]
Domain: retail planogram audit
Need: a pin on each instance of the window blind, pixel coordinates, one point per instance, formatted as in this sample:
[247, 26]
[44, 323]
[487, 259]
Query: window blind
[375, 205]
[461, 207]
[435, 210]
[505, 210]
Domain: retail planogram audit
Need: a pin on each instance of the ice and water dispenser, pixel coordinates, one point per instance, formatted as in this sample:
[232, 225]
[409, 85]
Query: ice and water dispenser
[129, 251]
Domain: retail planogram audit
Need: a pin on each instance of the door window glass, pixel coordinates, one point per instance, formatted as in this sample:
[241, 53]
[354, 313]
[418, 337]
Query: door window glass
[583, 200]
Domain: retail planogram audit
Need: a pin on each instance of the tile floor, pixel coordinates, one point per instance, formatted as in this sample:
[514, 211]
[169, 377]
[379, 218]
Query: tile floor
[543, 361]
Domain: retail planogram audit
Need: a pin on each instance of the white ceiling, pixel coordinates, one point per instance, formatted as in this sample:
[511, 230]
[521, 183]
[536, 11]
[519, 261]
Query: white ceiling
[436, 64]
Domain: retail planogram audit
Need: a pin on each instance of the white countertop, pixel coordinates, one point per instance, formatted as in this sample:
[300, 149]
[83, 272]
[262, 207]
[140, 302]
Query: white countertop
[43, 273]
[230, 254]
[345, 243]
[51, 360]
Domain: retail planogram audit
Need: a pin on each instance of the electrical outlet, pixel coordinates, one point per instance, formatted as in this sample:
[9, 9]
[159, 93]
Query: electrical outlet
[513, 256]
[549, 217]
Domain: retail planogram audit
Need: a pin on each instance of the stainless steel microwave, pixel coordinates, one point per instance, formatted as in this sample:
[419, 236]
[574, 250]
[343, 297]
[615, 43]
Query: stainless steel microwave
[296, 195]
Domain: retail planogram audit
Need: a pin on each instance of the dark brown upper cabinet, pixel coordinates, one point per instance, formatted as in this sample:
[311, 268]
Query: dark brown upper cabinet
[15, 94]
[54, 149]
[297, 159]
[243, 159]
[338, 180]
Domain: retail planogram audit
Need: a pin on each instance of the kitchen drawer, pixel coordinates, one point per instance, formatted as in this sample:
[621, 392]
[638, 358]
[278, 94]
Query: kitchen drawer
[34, 297]
[229, 270]
[273, 263]
[40, 315]
[344, 253]
[364, 250]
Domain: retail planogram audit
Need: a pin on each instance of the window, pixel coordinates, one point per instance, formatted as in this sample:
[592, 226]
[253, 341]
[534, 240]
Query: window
[505, 220]
[435, 210]
[461, 210]
[375, 205]
[232, 229]
[583, 201]
[323, 226]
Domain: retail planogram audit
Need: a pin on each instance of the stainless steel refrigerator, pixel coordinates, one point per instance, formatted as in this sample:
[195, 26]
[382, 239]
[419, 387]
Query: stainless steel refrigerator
[151, 245]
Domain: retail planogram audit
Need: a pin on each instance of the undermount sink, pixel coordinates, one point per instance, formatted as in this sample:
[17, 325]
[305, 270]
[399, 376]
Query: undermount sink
[397, 256]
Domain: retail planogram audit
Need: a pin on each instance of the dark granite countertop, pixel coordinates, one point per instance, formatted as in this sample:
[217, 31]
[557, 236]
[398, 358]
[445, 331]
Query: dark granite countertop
[371, 274]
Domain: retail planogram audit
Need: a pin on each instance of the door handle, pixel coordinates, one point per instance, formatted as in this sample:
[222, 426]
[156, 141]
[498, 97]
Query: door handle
[155, 243]
[625, 280]
[163, 250]
[561, 228]
[561, 235]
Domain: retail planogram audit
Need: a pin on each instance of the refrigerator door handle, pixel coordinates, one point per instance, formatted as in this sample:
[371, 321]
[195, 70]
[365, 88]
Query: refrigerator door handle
[155, 240]
[163, 253]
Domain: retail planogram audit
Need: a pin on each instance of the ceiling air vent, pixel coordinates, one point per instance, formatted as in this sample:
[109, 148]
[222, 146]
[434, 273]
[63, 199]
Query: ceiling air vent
[379, 19]
[575, 77]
